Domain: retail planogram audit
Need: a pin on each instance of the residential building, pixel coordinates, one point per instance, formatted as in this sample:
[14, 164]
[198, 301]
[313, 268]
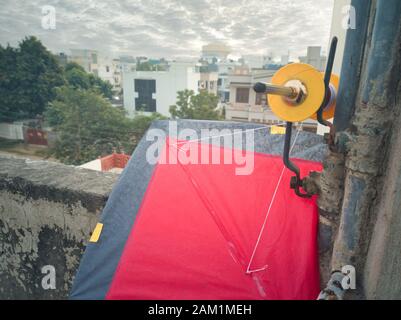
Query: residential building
[224, 68]
[247, 105]
[156, 91]
[285, 59]
[110, 70]
[213, 51]
[86, 58]
[314, 58]
[208, 82]
[255, 61]
[127, 64]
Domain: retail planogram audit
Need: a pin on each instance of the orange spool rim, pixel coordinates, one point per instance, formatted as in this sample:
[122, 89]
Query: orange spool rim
[328, 112]
[311, 79]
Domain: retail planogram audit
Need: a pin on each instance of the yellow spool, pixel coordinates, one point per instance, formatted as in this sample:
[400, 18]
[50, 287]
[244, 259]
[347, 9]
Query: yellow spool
[328, 112]
[311, 79]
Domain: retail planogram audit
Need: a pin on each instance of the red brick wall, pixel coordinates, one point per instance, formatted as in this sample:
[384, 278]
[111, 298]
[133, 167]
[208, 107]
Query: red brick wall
[114, 160]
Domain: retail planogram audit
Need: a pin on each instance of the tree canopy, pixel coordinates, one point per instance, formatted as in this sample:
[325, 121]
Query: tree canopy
[147, 66]
[77, 77]
[88, 126]
[201, 106]
[29, 75]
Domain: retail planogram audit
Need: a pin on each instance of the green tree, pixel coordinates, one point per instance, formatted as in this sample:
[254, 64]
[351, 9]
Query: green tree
[77, 77]
[144, 66]
[88, 126]
[148, 66]
[102, 86]
[29, 75]
[201, 106]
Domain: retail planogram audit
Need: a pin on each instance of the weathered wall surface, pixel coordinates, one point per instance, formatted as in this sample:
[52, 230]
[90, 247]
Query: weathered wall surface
[383, 262]
[369, 222]
[47, 213]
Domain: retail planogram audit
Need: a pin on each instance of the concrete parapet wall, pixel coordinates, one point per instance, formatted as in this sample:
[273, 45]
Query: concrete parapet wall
[47, 213]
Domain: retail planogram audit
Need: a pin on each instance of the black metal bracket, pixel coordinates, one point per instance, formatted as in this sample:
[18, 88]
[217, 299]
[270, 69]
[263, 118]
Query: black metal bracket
[296, 181]
[327, 77]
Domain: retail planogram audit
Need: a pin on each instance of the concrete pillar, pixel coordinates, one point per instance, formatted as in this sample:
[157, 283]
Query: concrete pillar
[369, 134]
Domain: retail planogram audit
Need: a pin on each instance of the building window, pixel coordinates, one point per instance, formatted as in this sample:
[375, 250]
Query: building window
[226, 96]
[107, 69]
[145, 90]
[242, 95]
[94, 58]
[260, 99]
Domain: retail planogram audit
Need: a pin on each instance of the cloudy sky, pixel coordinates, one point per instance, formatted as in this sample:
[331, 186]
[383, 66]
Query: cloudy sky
[171, 28]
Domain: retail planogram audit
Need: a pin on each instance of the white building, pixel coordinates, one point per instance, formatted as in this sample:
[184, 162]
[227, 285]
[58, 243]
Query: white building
[208, 81]
[225, 68]
[255, 61]
[213, 51]
[111, 70]
[314, 58]
[106, 68]
[285, 59]
[156, 91]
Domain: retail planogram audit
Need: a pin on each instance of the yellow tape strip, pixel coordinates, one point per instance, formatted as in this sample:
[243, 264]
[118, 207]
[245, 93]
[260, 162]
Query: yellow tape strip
[96, 232]
[277, 130]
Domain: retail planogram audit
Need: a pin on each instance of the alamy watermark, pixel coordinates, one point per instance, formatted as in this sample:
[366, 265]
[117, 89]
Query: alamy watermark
[49, 280]
[349, 19]
[349, 280]
[212, 146]
[48, 20]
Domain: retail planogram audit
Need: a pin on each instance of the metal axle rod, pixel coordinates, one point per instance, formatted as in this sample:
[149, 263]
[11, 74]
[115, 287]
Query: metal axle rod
[289, 92]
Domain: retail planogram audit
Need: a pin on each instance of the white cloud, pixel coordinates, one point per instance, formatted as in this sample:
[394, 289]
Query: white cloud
[171, 27]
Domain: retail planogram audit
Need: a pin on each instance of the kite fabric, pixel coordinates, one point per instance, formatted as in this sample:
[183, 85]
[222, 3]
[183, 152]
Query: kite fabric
[203, 232]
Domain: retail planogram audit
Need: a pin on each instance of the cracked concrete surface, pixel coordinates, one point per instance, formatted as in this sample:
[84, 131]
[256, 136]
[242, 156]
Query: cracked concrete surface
[47, 213]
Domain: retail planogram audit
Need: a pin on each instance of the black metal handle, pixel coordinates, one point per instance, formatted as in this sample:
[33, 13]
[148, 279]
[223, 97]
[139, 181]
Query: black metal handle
[296, 183]
[327, 77]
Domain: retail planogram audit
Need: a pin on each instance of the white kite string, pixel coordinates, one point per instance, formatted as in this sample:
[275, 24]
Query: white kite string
[217, 136]
[248, 271]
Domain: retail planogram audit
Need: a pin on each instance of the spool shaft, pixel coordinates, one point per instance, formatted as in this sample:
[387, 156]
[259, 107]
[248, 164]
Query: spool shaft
[268, 88]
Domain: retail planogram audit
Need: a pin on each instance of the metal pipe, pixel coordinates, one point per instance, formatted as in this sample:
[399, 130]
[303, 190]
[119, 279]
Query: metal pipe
[367, 159]
[268, 88]
[355, 43]
[386, 30]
